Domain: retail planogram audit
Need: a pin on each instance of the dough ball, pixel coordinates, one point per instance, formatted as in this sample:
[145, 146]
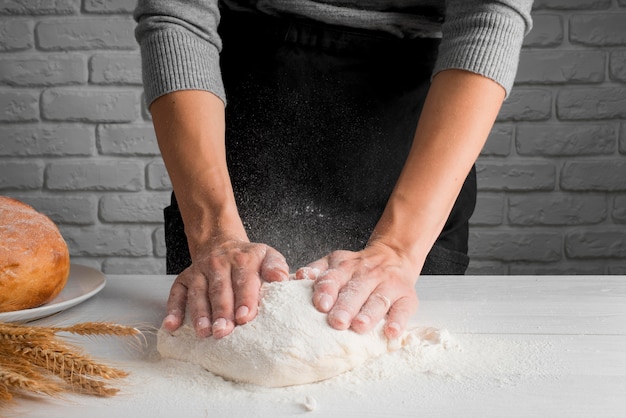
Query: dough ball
[34, 258]
[288, 343]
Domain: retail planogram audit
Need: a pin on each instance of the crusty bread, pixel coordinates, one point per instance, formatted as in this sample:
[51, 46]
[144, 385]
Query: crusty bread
[34, 258]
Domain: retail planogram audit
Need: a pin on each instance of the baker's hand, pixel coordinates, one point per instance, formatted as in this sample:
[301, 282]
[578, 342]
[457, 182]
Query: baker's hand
[221, 287]
[357, 289]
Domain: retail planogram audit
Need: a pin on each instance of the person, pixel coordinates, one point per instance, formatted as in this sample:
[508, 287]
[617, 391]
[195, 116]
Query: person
[331, 139]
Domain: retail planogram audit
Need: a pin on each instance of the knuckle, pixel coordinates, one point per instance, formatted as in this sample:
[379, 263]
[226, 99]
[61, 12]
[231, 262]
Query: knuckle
[217, 283]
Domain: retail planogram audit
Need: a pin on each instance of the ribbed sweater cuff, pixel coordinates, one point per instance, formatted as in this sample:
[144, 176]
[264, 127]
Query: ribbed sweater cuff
[487, 44]
[173, 60]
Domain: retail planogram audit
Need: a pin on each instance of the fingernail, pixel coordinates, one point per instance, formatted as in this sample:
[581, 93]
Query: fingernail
[242, 312]
[342, 317]
[363, 319]
[394, 328]
[203, 323]
[219, 325]
[325, 302]
[169, 320]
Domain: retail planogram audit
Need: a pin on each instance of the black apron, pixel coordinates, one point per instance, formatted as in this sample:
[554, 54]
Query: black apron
[319, 122]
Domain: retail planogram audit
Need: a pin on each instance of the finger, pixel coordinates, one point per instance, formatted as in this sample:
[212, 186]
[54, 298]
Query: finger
[246, 286]
[312, 270]
[307, 273]
[197, 302]
[399, 315]
[220, 292]
[326, 289]
[274, 267]
[349, 302]
[372, 312]
[175, 307]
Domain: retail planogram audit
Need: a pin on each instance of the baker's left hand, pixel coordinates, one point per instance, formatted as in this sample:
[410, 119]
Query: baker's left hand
[357, 289]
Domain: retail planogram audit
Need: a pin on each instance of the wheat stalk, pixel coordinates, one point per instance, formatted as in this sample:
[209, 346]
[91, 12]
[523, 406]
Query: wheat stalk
[34, 359]
[98, 328]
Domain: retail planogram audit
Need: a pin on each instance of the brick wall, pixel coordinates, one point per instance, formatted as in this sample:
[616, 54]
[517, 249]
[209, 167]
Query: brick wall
[552, 177]
[77, 143]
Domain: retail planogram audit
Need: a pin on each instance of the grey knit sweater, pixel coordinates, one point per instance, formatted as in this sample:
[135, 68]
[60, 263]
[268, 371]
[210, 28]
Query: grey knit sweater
[180, 45]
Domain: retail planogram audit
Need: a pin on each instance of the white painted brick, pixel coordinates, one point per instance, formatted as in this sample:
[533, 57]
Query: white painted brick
[19, 106]
[94, 263]
[487, 268]
[16, 34]
[489, 209]
[115, 68]
[62, 209]
[598, 29]
[527, 104]
[128, 265]
[565, 268]
[547, 31]
[617, 269]
[516, 245]
[145, 112]
[557, 67]
[591, 103]
[158, 242]
[109, 175]
[85, 33]
[21, 175]
[46, 140]
[133, 208]
[42, 70]
[533, 209]
[106, 241]
[39, 7]
[515, 176]
[76, 139]
[499, 141]
[109, 6]
[619, 209]
[89, 105]
[158, 179]
[617, 65]
[596, 243]
[598, 175]
[135, 139]
[552, 139]
[571, 4]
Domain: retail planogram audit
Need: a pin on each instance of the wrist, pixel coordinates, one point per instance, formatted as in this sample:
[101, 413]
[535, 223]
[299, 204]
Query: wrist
[207, 225]
[409, 230]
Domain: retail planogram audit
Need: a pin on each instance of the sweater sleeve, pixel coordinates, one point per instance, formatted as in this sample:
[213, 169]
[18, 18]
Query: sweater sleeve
[179, 46]
[484, 37]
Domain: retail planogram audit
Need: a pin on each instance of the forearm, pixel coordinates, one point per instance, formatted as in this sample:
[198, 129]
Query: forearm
[189, 126]
[458, 114]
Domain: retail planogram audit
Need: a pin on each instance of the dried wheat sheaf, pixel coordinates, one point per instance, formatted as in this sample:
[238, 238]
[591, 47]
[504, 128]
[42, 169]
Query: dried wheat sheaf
[36, 360]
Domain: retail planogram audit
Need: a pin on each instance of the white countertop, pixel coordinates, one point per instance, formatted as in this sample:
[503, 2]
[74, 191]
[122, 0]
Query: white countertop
[520, 346]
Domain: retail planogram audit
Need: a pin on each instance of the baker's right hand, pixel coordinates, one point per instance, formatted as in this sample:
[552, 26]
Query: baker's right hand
[220, 289]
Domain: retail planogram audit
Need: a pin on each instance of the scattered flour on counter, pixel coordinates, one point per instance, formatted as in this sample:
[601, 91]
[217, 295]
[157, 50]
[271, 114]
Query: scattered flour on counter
[432, 367]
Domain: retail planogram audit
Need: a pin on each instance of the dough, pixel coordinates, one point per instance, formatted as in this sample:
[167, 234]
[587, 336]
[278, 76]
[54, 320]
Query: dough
[34, 258]
[288, 343]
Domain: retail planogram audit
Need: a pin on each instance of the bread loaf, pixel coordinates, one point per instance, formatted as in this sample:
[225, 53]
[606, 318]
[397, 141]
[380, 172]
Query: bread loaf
[34, 258]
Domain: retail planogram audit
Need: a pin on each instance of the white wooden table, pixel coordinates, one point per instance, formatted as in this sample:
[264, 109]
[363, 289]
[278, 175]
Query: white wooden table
[552, 346]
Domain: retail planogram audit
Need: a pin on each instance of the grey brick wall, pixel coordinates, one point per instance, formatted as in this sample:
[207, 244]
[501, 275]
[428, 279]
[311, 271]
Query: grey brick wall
[77, 143]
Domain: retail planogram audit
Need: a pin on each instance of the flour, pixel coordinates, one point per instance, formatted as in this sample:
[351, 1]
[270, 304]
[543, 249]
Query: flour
[431, 366]
[431, 369]
[288, 343]
[434, 368]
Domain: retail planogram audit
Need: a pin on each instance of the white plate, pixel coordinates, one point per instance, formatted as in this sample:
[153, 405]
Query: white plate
[83, 283]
